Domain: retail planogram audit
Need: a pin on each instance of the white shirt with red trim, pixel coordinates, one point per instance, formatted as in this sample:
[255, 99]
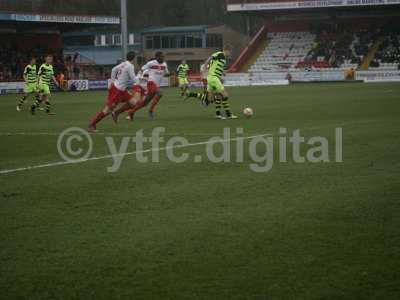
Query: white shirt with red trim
[156, 71]
[123, 76]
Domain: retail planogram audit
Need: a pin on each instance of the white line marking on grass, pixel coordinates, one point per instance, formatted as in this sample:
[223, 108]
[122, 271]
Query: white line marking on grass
[123, 134]
[62, 163]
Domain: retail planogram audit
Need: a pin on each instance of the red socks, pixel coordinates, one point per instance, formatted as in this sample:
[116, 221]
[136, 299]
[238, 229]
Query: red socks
[154, 103]
[100, 116]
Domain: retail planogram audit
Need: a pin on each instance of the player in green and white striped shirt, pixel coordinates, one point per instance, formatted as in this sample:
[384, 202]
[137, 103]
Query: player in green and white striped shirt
[30, 77]
[215, 89]
[45, 77]
[182, 71]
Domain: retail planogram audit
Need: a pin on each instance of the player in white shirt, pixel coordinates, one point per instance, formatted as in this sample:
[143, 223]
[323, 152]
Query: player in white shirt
[204, 75]
[123, 78]
[157, 70]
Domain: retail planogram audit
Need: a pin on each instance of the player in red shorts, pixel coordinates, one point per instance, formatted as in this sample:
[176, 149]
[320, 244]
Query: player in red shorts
[122, 77]
[140, 96]
[157, 70]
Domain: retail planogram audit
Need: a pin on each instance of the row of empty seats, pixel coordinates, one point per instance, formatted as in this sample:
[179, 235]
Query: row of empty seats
[284, 51]
[288, 51]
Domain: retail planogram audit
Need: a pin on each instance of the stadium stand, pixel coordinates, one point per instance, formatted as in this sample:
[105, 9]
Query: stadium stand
[332, 46]
[284, 50]
[388, 54]
[287, 45]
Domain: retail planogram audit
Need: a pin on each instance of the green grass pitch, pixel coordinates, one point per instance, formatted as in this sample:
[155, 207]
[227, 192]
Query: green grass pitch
[204, 230]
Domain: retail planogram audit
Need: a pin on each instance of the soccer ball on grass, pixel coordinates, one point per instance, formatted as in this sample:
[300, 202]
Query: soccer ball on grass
[248, 112]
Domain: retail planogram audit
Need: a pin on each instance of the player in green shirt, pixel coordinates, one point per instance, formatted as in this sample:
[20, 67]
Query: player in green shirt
[30, 77]
[45, 77]
[215, 88]
[182, 71]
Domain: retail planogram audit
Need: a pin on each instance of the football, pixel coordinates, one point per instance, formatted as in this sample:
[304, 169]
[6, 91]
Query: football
[248, 112]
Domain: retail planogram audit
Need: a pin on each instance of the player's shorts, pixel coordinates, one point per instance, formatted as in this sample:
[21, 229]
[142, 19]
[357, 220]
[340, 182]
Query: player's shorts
[205, 82]
[215, 85]
[183, 81]
[116, 96]
[152, 88]
[137, 88]
[44, 88]
[31, 88]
